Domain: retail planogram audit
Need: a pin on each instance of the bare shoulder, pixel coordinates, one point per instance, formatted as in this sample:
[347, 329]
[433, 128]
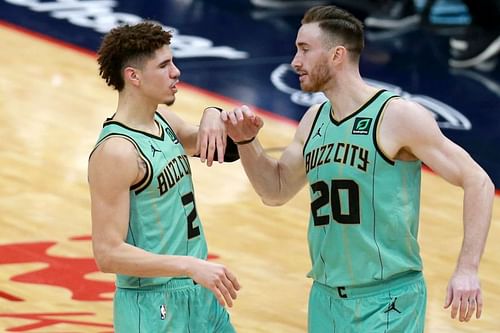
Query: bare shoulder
[408, 118]
[111, 153]
[403, 124]
[115, 148]
[306, 123]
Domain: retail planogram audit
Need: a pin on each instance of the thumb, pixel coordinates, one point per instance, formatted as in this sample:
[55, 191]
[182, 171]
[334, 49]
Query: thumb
[257, 121]
[223, 116]
[449, 297]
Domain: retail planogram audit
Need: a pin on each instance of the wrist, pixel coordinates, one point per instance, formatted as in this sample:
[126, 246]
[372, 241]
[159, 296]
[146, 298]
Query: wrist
[188, 264]
[244, 142]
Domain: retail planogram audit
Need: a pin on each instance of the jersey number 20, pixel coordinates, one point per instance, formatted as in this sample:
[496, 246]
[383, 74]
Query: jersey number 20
[332, 195]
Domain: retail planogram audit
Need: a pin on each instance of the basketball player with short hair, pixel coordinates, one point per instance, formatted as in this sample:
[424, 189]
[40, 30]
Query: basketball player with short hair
[145, 227]
[361, 154]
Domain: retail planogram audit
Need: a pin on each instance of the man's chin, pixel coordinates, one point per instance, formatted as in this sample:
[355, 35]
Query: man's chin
[169, 102]
[307, 89]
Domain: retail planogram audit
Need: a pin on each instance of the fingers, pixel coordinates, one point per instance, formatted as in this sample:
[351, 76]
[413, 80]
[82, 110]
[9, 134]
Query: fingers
[218, 295]
[225, 287]
[224, 116]
[455, 304]
[208, 143]
[210, 150]
[226, 290]
[258, 122]
[449, 297]
[221, 146]
[464, 304]
[201, 147]
[479, 299]
[245, 110]
[233, 280]
[239, 114]
[232, 118]
[471, 308]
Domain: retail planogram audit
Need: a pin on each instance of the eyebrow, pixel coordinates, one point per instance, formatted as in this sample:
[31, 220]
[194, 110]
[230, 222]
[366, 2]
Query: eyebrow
[165, 62]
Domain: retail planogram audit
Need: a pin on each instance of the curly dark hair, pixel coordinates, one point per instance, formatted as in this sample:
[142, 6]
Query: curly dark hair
[128, 45]
[339, 25]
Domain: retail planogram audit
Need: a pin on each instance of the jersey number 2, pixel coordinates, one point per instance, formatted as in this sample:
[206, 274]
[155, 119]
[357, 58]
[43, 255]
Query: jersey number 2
[191, 230]
[332, 194]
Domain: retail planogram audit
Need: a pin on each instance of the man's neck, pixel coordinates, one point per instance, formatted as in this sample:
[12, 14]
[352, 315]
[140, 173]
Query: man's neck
[348, 96]
[136, 113]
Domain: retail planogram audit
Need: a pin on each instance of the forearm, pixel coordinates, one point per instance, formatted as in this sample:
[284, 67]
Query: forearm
[262, 171]
[479, 194]
[133, 261]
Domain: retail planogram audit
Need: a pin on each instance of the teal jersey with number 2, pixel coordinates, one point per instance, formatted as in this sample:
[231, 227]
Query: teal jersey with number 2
[364, 206]
[163, 217]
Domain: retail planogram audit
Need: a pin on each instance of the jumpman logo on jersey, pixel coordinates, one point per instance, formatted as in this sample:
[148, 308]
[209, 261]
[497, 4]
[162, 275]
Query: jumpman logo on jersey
[318, 132]
[154, 150]
[392, 306]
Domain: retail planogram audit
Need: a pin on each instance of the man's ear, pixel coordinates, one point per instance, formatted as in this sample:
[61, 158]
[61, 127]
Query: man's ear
[131, 75]
[339, 54]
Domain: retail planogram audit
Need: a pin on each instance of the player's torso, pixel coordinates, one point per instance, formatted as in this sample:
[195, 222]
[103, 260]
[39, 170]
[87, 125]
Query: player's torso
[163, 216]
[364, 207]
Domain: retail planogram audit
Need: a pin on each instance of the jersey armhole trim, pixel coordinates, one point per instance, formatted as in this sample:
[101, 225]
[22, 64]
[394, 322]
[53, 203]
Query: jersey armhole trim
[148, 175]
[166, 124]
[379, 118]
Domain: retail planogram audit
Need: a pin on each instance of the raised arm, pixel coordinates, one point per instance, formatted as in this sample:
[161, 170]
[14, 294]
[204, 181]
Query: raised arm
[208, 140]
[275, 180]
[410, 130]
[109, 191]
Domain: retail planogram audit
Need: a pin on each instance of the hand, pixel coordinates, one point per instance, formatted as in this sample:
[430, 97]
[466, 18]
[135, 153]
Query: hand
[464, 295]
[211, 136]
[242, 123]
[216, 278]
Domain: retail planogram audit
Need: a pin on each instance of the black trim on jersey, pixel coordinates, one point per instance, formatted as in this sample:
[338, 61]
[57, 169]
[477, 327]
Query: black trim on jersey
[148, 176]
[355, 113]
[312, 127]
[166, 123]
[375, 130]
[110, 121]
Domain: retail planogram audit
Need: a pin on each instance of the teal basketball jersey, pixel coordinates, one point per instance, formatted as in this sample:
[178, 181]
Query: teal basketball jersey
[364, 206]
[163, 217]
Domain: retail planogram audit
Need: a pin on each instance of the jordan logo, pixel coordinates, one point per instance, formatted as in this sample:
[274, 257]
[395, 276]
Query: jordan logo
[154, 150]
[392, 306]
[318, 132]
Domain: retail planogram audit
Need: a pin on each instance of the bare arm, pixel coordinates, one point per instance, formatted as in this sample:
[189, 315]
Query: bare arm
[276, 181]
[203, 139]
[411, 131]
[109, 190]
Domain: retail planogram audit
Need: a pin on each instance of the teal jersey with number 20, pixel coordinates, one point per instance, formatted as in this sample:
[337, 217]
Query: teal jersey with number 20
[364, 206]
[163, 217]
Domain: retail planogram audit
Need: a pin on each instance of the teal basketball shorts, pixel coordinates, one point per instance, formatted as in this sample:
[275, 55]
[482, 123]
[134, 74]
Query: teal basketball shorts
[393, 306]
[178, 306]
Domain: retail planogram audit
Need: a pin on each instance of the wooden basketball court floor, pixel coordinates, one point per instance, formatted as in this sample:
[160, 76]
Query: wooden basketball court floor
[52, 104]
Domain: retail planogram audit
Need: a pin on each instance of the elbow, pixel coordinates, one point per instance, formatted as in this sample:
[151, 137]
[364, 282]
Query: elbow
[489, 185]
[486, 183]
[274, 198]
[272, 201]
[103, 260]
[479, 182]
